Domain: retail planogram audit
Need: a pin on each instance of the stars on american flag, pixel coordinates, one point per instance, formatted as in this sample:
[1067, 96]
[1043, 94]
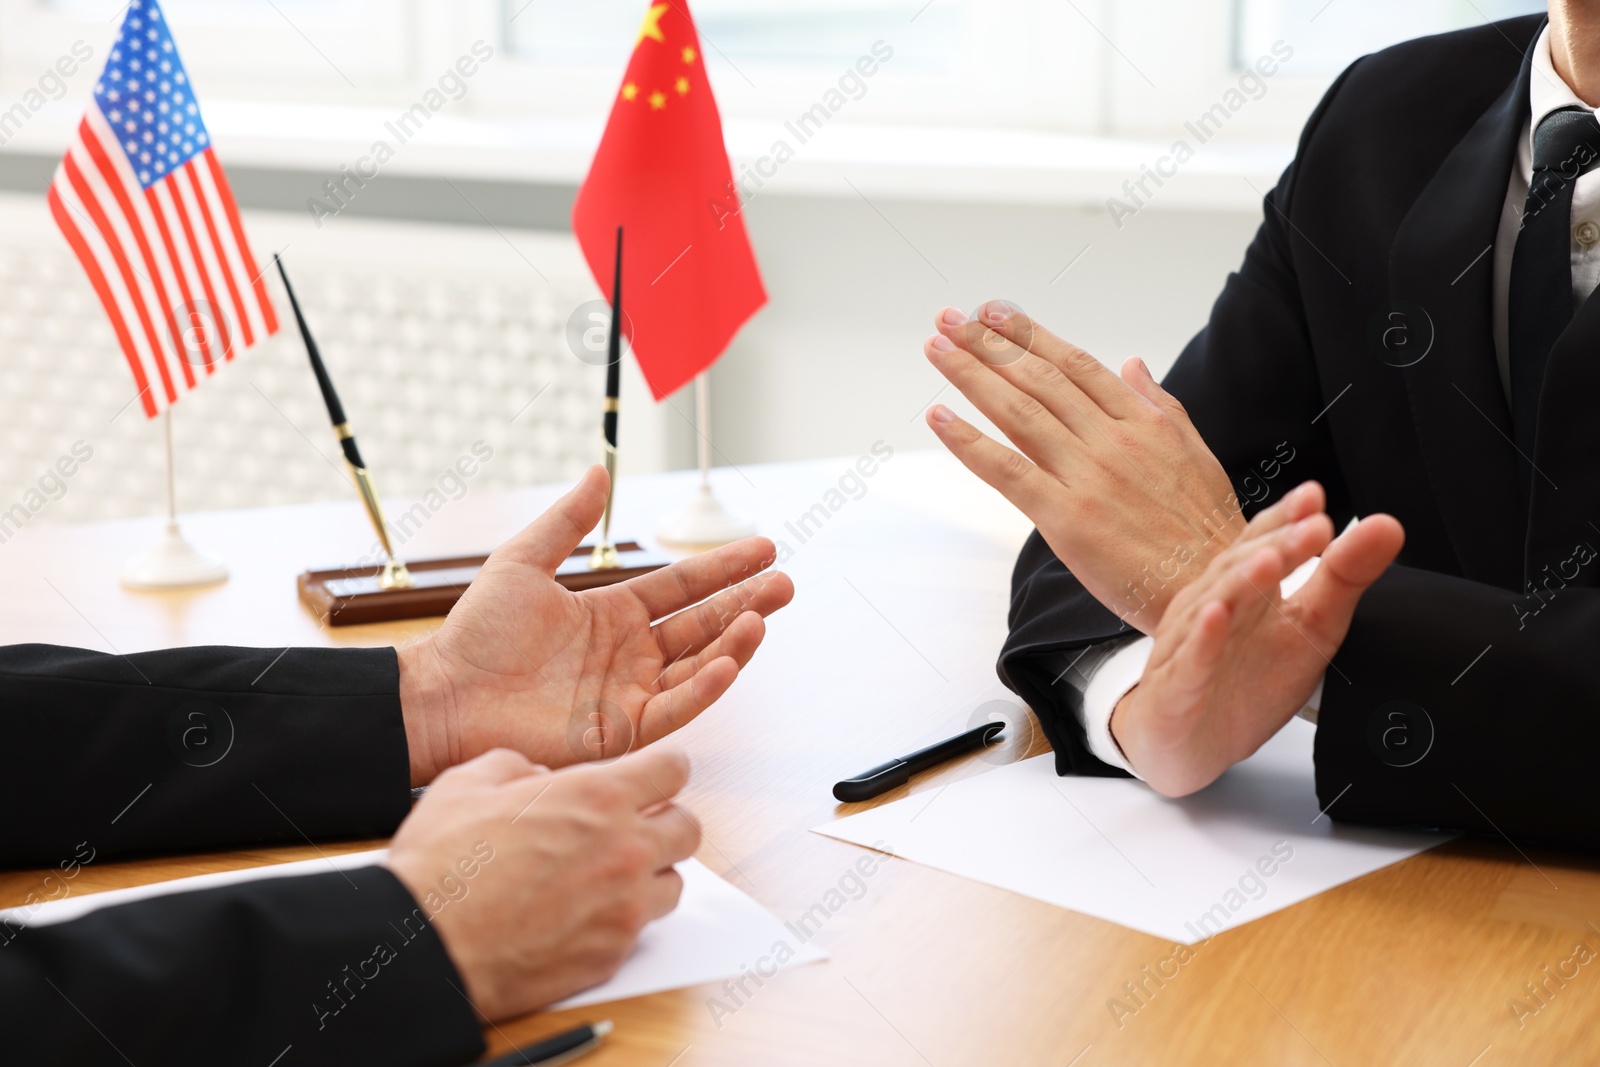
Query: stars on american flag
[146, 97]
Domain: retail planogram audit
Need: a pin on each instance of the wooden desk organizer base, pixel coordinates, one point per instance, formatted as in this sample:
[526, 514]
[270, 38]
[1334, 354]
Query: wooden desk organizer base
[349, 596]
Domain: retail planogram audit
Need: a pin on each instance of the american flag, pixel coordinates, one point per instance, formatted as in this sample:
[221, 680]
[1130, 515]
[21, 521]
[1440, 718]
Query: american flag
[145, 206]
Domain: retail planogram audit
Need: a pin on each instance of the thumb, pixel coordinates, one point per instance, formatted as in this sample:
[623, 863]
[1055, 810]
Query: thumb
[1356, 558]
[548, 540]
[495, 767]
[1138, 376]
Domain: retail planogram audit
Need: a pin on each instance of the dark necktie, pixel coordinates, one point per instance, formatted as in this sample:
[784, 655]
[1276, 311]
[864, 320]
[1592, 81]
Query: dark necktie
[1566, 144]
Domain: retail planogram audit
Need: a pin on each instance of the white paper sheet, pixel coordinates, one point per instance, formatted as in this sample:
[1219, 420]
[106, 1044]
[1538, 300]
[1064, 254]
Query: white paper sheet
[1113, 848]
[716, 932]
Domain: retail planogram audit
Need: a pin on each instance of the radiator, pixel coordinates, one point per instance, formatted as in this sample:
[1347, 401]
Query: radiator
[444, 341]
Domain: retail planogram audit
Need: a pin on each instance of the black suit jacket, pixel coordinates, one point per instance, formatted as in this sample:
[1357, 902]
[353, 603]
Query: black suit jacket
[1467, 694]
[106, 755]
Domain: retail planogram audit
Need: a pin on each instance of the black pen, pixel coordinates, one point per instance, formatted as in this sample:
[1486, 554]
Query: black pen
[558, 1049]
[886, 776]
[608, 422]
[395, 575]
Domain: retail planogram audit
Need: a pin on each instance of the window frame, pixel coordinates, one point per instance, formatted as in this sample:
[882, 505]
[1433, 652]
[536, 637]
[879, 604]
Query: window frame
[1035, 79]
[314, 57]
[1080, 68]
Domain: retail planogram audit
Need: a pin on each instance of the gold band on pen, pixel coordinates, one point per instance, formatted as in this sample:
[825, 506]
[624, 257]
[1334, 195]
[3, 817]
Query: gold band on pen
[342, 431]
[604, 556]
[611, 406]
[394, 574]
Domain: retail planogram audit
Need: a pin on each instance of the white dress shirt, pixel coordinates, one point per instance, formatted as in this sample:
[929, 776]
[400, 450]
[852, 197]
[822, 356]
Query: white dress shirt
[1117, 670]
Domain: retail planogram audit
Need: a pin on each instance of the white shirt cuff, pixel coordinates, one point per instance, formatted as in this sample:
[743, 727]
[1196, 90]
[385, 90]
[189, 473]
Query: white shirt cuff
[1109, 683]
[1119, 672]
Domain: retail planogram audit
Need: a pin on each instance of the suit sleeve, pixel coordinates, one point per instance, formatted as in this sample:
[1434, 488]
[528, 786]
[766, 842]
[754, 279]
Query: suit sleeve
[203, 748]
[335, 969]
[1462, 706]
[196, 748]
[1249, 383]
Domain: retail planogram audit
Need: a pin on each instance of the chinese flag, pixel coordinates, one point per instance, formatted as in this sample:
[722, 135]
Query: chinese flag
[661, 172]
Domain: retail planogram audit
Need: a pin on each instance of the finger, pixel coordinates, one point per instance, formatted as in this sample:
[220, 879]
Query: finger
[678, 706]
[691, 580]
[1302, 501]
[1094, 379]
[1349, 565]
[674, 834]
[1298, 541]
[1256, 592]
[1292, 546]
[1044, 377]
[991, 348]
[547, 541]
[1240, 578]
[495, 767]
[1044, 434]
[738, 642]
[1029, 489]
[1305, 539]
[1273, 558]
[1196, 661]
[1364, 552]
[650, 775]
[1232, 581]
[695, 629]
[663, 893]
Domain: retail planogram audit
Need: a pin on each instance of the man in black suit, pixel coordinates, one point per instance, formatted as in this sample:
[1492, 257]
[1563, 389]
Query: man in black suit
[509, 886]
[1413, 331]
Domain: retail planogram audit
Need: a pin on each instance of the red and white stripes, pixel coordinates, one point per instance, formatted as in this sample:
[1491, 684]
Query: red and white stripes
[170, 263]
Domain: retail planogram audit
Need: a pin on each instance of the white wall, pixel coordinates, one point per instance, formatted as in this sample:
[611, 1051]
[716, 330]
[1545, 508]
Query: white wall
[835, 360]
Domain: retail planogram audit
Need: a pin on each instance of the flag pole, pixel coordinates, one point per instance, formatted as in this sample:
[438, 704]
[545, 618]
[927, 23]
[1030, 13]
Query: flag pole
[172, 472]
[702, 416]
[704, 522]
[172, 562]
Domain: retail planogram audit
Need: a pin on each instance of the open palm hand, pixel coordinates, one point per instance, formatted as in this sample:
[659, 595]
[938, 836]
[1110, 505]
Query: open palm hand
[1234, 659]
[562, 677]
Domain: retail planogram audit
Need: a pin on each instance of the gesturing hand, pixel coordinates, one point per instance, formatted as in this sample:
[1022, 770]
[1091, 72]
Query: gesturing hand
[525, 664]
[539, 881]
[1115, 477]
[1233, 660]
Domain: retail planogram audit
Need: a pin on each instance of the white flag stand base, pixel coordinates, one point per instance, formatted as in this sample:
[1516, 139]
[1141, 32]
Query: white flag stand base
[704, 522]
[172, 563]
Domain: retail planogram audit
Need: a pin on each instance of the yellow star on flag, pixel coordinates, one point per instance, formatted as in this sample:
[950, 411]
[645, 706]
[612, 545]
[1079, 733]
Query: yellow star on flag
[630, 91]
[683, 86]
[658, 100]
[652, 25]
[688, 55]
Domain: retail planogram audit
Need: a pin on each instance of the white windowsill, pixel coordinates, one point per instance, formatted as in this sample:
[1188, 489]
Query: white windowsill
[939, 164]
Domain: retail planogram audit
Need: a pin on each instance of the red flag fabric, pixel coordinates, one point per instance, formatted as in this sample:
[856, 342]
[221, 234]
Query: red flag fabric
[661, 172]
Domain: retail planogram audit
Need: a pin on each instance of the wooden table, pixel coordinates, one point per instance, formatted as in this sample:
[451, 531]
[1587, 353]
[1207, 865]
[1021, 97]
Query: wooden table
[902, 580]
